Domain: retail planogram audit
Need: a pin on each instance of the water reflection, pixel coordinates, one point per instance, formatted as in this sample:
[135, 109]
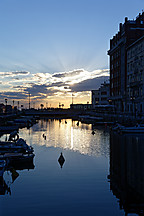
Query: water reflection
[11, 174]
[68, 135]
[127, 171]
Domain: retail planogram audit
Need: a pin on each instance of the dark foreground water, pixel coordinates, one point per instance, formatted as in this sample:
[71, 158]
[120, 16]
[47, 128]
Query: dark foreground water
[103, 174]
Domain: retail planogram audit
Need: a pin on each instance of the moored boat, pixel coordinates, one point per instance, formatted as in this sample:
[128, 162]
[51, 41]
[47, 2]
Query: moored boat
[8, 128]
[17, 147]
[17, 157]
[133, 129]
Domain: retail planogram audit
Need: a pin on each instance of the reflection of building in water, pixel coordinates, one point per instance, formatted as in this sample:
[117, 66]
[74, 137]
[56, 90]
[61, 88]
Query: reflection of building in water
[127, 172]
[12, 170]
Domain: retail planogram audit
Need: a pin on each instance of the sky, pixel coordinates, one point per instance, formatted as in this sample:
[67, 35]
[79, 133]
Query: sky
[55, 48]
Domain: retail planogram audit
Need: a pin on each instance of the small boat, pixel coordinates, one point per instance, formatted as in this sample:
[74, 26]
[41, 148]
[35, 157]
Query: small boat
[17, 157]
[133, 129]
[90, 119]
[18, 146]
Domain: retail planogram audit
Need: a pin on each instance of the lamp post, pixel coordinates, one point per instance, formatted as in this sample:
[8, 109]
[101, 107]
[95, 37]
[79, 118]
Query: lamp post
[29, 100]
[72, 98]
[6, 105]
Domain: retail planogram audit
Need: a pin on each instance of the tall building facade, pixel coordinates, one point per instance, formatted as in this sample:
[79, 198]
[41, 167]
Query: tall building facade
[101, 95]
[135, 78]
[128, 33]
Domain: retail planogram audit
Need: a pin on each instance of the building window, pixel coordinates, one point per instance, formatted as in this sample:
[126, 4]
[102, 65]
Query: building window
[104, 93]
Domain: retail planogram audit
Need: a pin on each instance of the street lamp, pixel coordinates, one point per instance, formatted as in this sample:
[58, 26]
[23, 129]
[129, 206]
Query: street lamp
[6, 105]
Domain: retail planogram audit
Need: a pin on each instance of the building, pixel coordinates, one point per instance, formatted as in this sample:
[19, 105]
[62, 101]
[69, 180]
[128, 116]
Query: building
[81, 106]
[135, 78]
[2, 108]
[128, 33]
[101, 95]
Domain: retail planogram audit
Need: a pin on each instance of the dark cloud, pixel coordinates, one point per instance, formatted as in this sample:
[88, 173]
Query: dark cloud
[16, 78]
[58, 84]
[13, 95]
[18, 87]
[37, 90]
[20, 72]
[14, 73]
[68, 74]
[88, 85]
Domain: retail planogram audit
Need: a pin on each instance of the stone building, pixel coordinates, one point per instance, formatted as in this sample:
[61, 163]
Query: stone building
[128, 33]
[101, 95]
[135, 78]
[81, 106]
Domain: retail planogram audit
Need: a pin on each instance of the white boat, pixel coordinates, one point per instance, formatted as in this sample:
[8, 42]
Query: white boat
[133, 129]
[18, 146]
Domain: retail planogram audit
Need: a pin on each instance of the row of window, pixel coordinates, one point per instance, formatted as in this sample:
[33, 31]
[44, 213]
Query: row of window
[100, 99]
[101, 93]
[137, 63]
[133, 93]
[134, 77]
[134, 108]
[135, 50]
[115, 55]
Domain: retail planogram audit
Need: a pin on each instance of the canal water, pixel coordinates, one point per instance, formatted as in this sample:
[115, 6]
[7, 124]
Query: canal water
[103, 174]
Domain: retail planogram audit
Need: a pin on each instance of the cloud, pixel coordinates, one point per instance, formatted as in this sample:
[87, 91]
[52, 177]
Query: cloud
[37, 90]
[18, 84]
[13, 95]
[68, 74]
[13, 73]
[88, 85]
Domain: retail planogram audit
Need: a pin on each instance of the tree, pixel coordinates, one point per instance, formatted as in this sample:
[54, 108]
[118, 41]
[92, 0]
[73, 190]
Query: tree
[42, 106]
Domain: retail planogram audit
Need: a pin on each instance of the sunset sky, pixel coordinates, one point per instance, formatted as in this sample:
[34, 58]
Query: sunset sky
[55, 48]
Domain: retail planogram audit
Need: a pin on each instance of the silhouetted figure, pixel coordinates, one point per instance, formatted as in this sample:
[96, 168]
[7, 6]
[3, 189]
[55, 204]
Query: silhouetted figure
[93, 132]
[45, 137]
[65, 122]
[61, 160]
[59, 120]
[77, 123]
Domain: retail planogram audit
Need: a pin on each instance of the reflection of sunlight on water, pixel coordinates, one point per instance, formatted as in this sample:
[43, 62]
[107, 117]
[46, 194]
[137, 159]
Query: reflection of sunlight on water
[68, 136]
[71, 137]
